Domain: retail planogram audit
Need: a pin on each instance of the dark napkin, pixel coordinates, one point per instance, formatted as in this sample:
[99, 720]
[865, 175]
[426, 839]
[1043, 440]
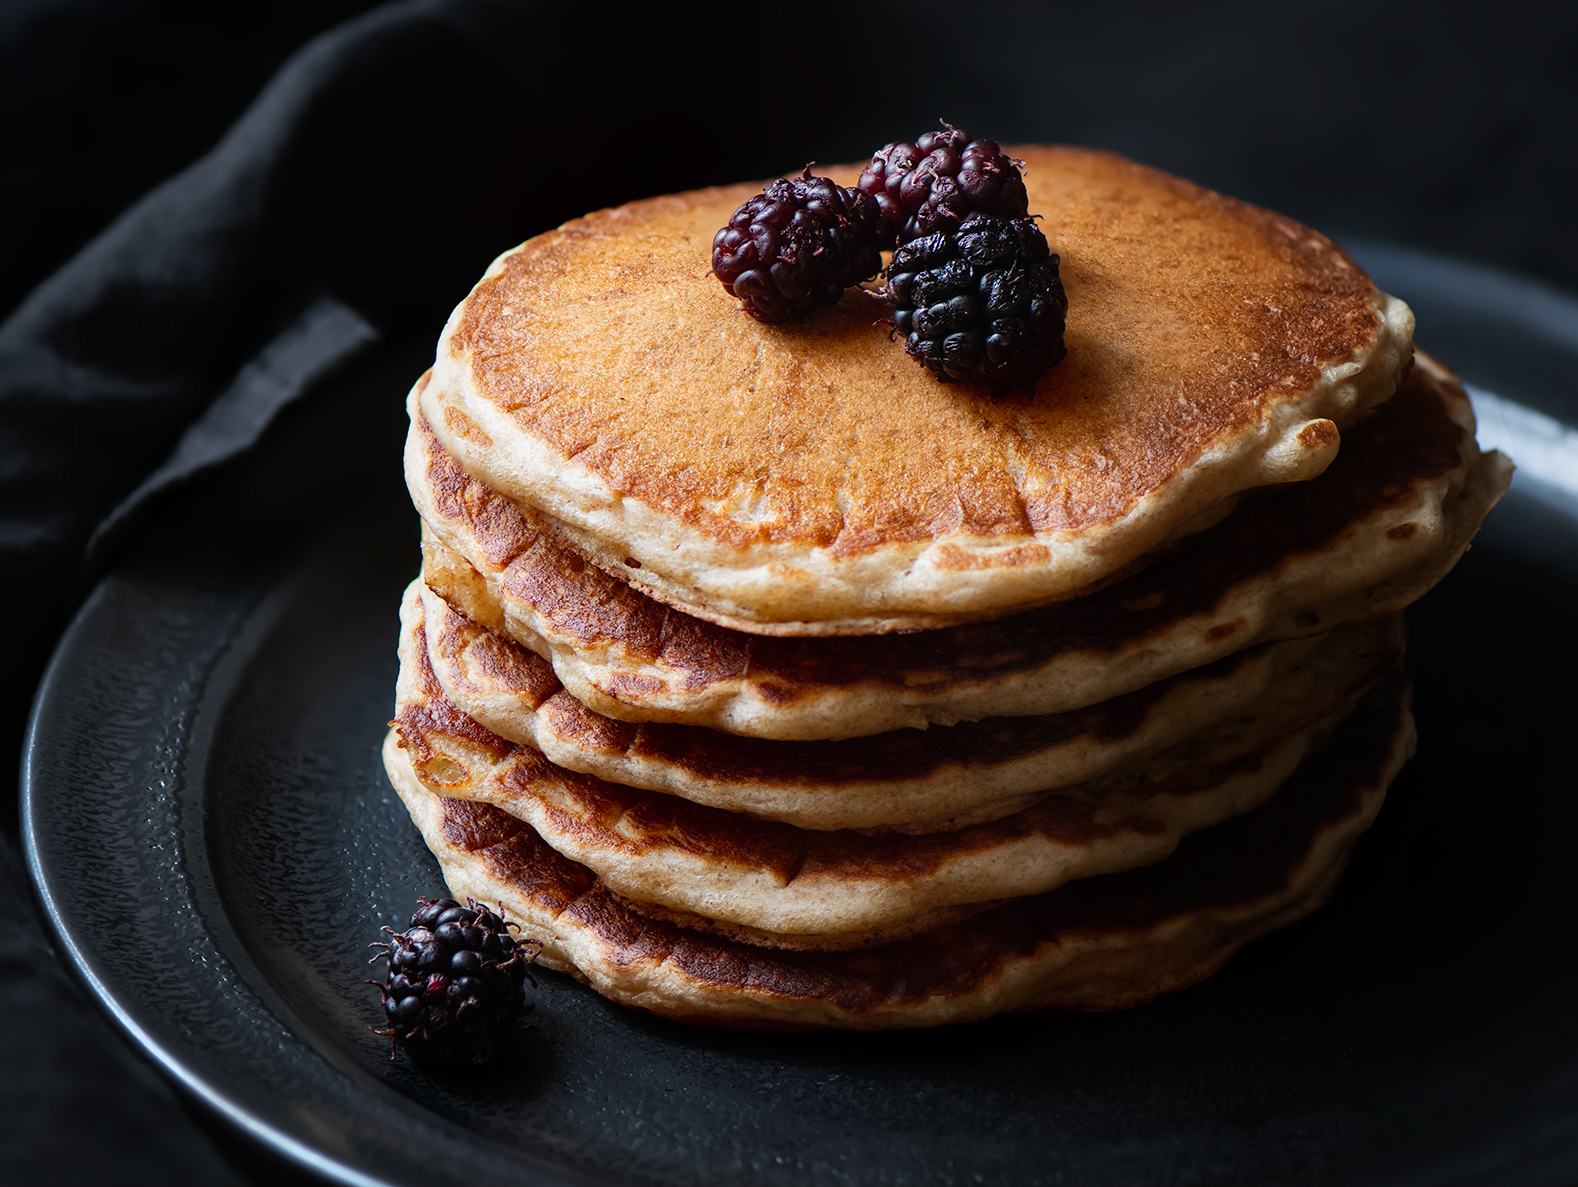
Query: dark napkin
[380, 170]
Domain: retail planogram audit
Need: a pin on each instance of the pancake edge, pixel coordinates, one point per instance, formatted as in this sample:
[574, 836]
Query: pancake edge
[788, 588]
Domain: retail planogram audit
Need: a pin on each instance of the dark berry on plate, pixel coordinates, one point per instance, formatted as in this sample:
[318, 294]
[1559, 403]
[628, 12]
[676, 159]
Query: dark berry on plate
[980, 304]
[939, 180]
[798, 245]
[455, 980]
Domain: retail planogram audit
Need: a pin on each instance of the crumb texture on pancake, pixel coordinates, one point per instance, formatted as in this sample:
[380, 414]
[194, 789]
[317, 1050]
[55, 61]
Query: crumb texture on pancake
[813, 479]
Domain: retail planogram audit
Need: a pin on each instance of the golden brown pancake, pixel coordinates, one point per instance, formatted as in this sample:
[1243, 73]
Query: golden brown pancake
[812, 479]
[791, 887]
[1100, 943]
[1385, 521]
[905, 780]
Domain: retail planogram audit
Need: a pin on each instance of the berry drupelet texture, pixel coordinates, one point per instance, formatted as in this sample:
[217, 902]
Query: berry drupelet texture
[940, 180]
[455, 981]
[799, 245]
[981, 304]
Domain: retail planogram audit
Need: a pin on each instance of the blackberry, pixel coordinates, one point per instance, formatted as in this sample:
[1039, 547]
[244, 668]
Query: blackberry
[799, 244]
[455, 980]
[940, 180]
[982, 304]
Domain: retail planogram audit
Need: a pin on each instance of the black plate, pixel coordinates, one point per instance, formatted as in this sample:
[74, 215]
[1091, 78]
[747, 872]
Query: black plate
[210, 829]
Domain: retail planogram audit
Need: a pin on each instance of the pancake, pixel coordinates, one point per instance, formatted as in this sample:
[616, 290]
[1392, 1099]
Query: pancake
[782, 887]
[1096, 944]
[1366, 538]
[813, 480]
[793, 887]
[912, 780]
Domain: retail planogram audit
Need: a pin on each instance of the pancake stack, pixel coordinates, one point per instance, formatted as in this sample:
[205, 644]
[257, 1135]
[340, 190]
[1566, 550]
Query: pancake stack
[768, 681]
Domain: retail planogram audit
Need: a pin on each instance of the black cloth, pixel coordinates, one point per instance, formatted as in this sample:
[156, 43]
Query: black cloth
[372, 178]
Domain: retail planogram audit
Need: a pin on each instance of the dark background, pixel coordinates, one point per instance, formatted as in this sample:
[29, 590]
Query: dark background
[389, 162]
[1450, 126]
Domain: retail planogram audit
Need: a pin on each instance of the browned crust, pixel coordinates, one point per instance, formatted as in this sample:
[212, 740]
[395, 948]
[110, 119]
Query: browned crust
[924, 921]
[1229, 866]
[1190, 315]
[886, 757]
[429, 725]
[1406, 444]
[1108, 823]
[472, 662]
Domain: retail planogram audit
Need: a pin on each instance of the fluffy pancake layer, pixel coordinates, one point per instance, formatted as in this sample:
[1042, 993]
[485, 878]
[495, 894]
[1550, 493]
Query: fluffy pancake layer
[1099, 943]
[905, 780]
[791, 887]
[813, 480]
[1367, 537]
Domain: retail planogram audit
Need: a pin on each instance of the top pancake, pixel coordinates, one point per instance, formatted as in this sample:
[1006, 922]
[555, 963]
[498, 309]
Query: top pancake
[812, 479]
[1383, 524]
